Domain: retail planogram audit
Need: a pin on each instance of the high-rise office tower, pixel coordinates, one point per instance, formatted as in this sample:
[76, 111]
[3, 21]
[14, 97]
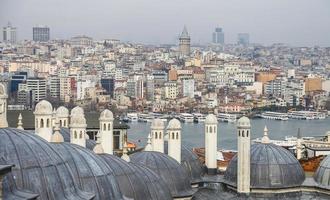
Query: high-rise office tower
[184, 40]
[218, 37]
[41, 34]
[243, 38]
[9, 34]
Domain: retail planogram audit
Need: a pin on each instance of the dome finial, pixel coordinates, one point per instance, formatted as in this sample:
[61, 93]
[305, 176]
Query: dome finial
[98, 149]
[148, 146]
[265, 138]
[125, 156]
[57, 136]
[20, 123]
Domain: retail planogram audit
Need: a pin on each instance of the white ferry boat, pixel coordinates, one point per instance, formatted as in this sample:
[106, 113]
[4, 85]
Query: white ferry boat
[143, 117]
[307, 115]
[199, 117]
[186, 117]
[225, 117]
[275, 116]
[132, 117]
[288, 142]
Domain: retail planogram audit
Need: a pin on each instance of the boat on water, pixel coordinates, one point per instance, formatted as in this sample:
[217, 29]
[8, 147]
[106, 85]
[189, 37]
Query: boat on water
[145, 117]
[306, 115]
[288, 142]
[275, 116]
[199, 117]
[186, 117]
[132, 117]
[226, 117]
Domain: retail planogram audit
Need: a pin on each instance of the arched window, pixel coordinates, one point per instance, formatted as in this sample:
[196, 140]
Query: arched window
[156, 135]
[177, 135]
[172, 135]
[210, 129]
[243, 133]
[37, 123]
[60, 123]
[81, 135]
[160, 135]
[41, 123]
[109, 127]
[64, 123]
[239, 133]
[75, 134]
[247, 133]
[104, 127]
[47, 124]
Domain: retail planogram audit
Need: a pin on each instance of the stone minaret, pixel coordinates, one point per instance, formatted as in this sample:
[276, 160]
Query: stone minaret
[3, 106]
[98, 149]
[211, 134]
[62, 113]
[148, 147]
[243, 155]
[57, 136]
[106, 131]
[174, 139]
[43, 114]
[78, 130]
[157, 135]
[20, 123]
[299, 146]
[184, 43]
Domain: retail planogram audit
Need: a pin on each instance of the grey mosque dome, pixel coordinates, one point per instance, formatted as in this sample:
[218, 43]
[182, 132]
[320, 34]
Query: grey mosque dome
[38, 167]
[90, 172]
[173, 174]
[272, 167]
[322, 175]
[137, 182]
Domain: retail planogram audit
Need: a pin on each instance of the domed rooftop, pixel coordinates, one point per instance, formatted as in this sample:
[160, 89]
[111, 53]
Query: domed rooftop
[90, 171]
[244, 122]
[174, 124]
[65, 132]
[106, 115]
[322, 175]
[38, 168]
[271, 167]
[43, 108]
[78, 120]
[173, 174]
[190, 163]
[157, 124]
[77, 111]
[211, 119]
[62, 112]
[137, 182]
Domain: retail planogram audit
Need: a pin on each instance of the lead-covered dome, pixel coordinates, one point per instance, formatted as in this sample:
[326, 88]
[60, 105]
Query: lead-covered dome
[90, 172]
[322, 175]
[106, 115]
[271, 167]
[38, 168]
[137, 182]
[62, 112]
[173, 174]
[43, 108]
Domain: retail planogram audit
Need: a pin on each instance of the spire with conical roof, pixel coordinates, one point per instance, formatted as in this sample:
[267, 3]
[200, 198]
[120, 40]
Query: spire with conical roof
[20, 123]
[265, 138]
[185, 33]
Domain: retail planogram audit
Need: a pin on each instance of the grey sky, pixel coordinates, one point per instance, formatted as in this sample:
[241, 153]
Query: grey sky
[297, 22]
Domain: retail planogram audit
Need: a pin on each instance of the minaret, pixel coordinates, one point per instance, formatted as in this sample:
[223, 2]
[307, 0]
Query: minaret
[57, 136]
[211, 135]
[20, 123]
[125, 155]
[148, 147]
[157, 135]
[43, 114]
[243, 154]
[106, 131]
[3, 106]
[98, 149]
[184, 43]
[78, 130]
[62, 113]
[174, 139]
[299, 147]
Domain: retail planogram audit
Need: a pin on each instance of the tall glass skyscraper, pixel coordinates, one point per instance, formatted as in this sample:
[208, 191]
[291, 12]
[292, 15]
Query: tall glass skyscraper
[243, 38]
[218, 37]
[9, 34]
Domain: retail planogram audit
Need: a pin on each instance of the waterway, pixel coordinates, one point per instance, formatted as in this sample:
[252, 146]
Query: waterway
[193, 133]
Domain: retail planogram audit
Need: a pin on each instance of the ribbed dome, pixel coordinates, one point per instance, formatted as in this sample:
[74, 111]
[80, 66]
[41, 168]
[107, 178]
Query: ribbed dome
[190, 163]
[322, 175]
[157, 124]
[106, 115]
[137, 182]
[173, 174]
[62, 112]
[43, 108]
[38, 168]
[271, 167]
[90, 171]
[211, 119]
[77, 111]
[174, 124]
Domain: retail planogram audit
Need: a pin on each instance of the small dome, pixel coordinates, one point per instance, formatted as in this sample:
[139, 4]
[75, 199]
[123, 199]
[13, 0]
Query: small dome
[322, 175]
[43, 108]
[98, 149]
[174, 124]
[137, 182]
[62, 112]
[2, 90]
[157, 124]
[77, 120]
[211, 119]
[106, 115]
[271, 167]
[77, 111]
[173, 174]
[244, 122]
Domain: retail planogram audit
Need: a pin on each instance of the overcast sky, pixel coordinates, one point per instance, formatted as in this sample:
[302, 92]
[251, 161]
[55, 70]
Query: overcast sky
[296, 22]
